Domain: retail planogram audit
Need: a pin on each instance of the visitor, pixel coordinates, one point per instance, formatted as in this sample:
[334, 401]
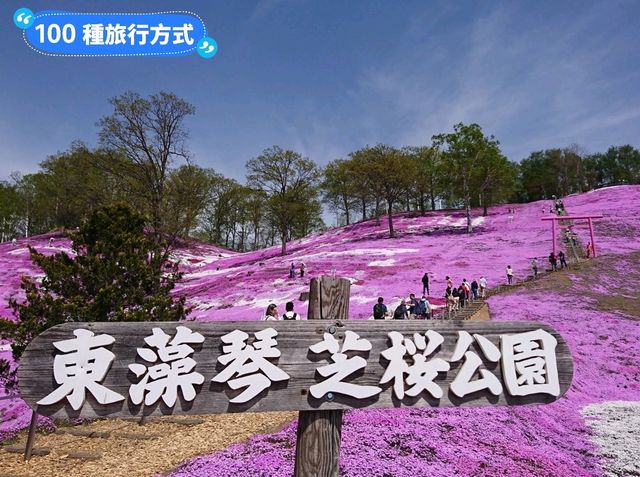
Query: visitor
[534, 267]
[449, 282]
[483, 286]
[413, 302]
[419, 310]
[589, 249]
[474, 289]
[292, 271]
[509, 275]
[563, 260]
[289, 313]
[301, 270]
[462, 296]
[553, 261]
[272, 313]
[379, 310]
[401, 312]
[426, 307]
[425, 283]
[467, 288]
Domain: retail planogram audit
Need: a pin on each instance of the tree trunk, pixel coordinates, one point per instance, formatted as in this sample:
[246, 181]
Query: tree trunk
[346, 210]
[284, 244]
[392, 233]
[433, 202]
[422, 205]
[377, 211]
[467, 204]
[364, 209]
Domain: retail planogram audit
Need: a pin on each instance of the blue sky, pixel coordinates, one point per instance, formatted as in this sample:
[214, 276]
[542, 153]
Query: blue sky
[328, 77]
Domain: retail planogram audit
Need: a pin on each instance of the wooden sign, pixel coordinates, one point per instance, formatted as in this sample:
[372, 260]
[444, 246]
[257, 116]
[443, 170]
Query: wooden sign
[133, 369]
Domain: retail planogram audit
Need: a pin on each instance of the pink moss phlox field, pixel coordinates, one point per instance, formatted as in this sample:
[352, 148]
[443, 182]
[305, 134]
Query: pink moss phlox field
[547, 440]
[540, 441]
[537, 441]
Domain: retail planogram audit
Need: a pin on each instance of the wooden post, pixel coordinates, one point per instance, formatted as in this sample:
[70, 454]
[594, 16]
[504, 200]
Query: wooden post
[28, 448]
[319, 432]
[553, 235]
[593, 242]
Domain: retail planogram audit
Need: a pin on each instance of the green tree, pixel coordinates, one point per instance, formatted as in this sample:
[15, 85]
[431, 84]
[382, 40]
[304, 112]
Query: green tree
[462, 150]
[493, 177]
[187, 193]
[116, 273]
[619, 165]
[9, 211]
[339, 186]
[289, 180]
[389, 173]
[151, 135]
[75, 186]
[429, 181]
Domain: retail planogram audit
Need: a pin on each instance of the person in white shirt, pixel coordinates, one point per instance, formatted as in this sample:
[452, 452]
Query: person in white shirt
[290, 314]
[483, 286]
[272, 313]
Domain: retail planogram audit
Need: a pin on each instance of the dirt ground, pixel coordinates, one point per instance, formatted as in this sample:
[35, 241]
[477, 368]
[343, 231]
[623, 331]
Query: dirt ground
[621, 296]
[125, 452]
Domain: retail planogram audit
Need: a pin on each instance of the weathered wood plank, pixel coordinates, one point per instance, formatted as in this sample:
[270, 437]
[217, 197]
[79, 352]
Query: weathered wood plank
[294, 338]
[319, 433]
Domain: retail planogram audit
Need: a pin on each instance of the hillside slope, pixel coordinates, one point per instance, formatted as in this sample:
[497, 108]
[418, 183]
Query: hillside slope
[223, 285]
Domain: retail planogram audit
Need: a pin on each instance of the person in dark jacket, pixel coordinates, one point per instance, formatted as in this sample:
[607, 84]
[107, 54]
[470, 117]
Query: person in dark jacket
[563, 260]
[413, 304]
[379, 309]
[425, 283]
[474, 289]
[462, 296]
[401, 312]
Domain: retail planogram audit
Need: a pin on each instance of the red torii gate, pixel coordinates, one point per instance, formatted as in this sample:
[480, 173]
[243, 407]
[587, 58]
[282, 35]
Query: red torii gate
[573, 217]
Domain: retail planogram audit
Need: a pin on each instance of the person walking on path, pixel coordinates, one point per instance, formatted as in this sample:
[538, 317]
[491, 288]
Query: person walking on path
[449, 282]
[553, 261]
[379, 310]
[483, 286]
[292, 271]
[462, 295]
[563, 260]
[534, 267]
[301, 270]
[425, 283]
[509, 274]
[589, 249]
[474, 289]
[466, 287]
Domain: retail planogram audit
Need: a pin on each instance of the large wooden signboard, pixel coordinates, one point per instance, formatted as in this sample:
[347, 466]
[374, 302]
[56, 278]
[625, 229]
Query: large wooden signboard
[134, 369]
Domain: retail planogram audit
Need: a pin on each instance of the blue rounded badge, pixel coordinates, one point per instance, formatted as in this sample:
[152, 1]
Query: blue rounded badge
[207, 47]
[23, 18]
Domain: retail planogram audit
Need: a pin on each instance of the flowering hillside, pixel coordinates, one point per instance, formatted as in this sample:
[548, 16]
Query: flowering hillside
[223, 285]
[549, 440]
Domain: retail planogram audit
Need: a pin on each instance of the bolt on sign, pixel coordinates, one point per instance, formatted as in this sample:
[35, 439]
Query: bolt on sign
[134, 369]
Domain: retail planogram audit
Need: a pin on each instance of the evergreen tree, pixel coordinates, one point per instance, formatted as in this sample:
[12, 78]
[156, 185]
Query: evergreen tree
[116, 273]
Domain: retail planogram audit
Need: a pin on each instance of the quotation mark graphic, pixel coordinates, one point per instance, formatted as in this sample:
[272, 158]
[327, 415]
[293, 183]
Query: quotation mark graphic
[207, 47]
[23, 18]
